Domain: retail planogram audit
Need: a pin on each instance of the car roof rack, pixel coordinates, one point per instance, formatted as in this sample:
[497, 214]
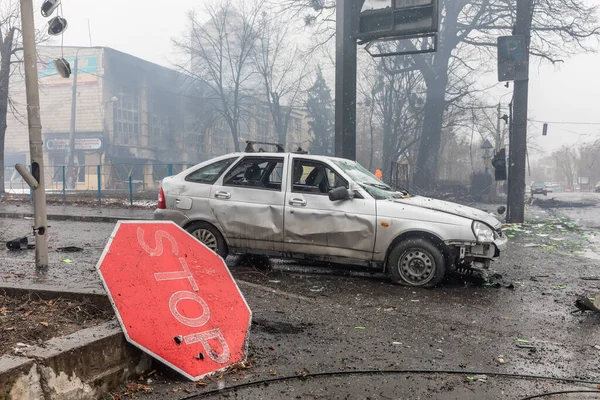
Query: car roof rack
[250, 147]
[299, 150]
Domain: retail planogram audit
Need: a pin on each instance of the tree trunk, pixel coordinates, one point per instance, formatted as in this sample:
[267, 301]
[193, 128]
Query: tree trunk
[433, 116]
[6, 46]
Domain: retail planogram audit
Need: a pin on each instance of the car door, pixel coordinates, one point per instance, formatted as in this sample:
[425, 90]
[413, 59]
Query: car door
[315, 225]
[248, 203]
[191, 197]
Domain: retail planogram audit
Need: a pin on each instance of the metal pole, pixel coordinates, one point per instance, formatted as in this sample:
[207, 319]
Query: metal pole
[71, 149]
[99, 171]
[499, 129]
[36, 146]
[345, 79]
[130, 190]
[64, 178]
[516, 194]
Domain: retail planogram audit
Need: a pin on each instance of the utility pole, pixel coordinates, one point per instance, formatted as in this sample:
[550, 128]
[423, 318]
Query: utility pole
[36, 178]
[518, 144]
[498, 128]
[345, 79]
[71, 149]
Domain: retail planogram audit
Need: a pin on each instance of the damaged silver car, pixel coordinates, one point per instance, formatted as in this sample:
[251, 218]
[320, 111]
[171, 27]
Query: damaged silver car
[290, 205]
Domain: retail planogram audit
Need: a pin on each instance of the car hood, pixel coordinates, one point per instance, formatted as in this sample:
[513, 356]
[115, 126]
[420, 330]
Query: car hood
[451, 208]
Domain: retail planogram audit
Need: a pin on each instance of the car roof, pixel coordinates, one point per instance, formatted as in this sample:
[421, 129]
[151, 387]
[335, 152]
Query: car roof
[309, 156]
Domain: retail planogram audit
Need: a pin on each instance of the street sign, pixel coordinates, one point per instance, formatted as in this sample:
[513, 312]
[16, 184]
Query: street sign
[175, 299]
[80, 144]
[512, 58]
[397, 18]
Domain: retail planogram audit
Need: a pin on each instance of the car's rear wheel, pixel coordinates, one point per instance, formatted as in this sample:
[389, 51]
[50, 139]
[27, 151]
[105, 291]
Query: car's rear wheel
[416, 262]
[209, 236]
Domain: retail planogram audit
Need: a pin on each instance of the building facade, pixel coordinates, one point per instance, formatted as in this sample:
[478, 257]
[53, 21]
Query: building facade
[132, 118]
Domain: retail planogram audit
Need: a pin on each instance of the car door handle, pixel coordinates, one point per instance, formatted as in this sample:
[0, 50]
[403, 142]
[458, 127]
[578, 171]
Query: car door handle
[223, 195]
[297, 202]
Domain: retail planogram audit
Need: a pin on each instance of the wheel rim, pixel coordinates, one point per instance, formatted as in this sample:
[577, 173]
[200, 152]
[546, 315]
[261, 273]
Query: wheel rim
[207, 238]
[417, 267]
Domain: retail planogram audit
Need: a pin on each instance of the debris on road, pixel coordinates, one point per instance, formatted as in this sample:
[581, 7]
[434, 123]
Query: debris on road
[584, 303]
[553, 203]
[69, 249]
[19, 244]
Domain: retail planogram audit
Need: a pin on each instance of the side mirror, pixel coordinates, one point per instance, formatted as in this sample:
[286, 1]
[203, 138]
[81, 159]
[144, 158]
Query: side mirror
[339, 193]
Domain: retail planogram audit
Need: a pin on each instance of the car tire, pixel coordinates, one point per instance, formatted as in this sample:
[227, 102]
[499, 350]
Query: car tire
[209, 236]
[416, 262]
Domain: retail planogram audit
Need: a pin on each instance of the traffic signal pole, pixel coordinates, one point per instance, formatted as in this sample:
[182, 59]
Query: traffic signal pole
[345, 78]
[36, 178]
[518, 143]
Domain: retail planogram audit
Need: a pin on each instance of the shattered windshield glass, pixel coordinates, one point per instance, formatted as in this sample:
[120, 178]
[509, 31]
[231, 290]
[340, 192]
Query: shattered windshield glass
[368, 181]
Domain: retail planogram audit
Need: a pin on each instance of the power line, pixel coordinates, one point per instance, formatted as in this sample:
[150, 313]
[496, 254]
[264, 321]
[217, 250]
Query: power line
[564, 122]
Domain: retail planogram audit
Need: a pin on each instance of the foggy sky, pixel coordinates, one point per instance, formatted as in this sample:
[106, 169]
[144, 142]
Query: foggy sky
[144, 28]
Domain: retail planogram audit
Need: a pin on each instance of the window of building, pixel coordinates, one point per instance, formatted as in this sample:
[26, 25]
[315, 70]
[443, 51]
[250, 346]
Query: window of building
[126, 118]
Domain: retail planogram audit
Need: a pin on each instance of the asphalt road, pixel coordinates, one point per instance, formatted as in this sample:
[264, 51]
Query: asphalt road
[312, 318]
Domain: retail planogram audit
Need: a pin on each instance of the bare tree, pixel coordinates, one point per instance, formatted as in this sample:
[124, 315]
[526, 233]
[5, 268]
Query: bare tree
[220, 53]
[10, 48]
[566, 163]
[468, 28]
[282, 71]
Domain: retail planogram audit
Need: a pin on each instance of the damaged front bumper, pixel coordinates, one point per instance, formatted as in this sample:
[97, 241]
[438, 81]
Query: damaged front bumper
[479, 255]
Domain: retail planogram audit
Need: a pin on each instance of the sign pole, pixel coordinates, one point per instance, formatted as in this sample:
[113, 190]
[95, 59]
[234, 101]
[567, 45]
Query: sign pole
[345, 79]
[36, 145]
[518, 144]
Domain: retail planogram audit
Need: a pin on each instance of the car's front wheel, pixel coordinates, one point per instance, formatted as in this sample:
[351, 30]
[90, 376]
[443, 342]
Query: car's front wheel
[416, 262]
[209, 236]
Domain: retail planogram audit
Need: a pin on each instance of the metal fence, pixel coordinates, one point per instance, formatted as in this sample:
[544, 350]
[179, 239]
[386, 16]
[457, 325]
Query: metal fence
[129, 182]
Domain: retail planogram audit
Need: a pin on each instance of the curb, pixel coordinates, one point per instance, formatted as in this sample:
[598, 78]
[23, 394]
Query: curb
[78, 218]
[87, 364]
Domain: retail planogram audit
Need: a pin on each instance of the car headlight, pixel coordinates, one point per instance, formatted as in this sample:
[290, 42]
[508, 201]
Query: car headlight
[483, 233]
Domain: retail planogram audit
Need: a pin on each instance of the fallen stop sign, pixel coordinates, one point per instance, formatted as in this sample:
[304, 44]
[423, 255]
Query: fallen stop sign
[175, 298]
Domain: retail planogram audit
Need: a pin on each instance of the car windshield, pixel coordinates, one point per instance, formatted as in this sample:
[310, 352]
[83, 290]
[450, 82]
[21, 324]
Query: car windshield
[368, 181]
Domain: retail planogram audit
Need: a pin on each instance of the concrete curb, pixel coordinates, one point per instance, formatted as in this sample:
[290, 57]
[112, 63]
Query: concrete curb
[85, 365]
[78, 218]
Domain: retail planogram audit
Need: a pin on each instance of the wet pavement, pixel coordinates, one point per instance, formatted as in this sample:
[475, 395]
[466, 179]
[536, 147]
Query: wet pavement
[316, 318]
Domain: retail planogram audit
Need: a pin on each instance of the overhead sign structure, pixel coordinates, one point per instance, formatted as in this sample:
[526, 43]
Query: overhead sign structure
[175, 299]
[513, 62]
[392, 18]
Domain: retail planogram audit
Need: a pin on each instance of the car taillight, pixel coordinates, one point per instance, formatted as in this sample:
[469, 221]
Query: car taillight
[162, 204]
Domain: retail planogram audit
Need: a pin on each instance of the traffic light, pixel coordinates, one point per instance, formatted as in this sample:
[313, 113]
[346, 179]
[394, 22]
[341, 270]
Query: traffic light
[545, 130]
[499, 164]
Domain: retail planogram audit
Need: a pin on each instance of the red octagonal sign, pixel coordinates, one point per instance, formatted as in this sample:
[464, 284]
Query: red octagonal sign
[175, 298]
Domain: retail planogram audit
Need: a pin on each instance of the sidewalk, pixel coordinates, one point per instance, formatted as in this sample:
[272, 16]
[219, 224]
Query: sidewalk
[86, 213]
